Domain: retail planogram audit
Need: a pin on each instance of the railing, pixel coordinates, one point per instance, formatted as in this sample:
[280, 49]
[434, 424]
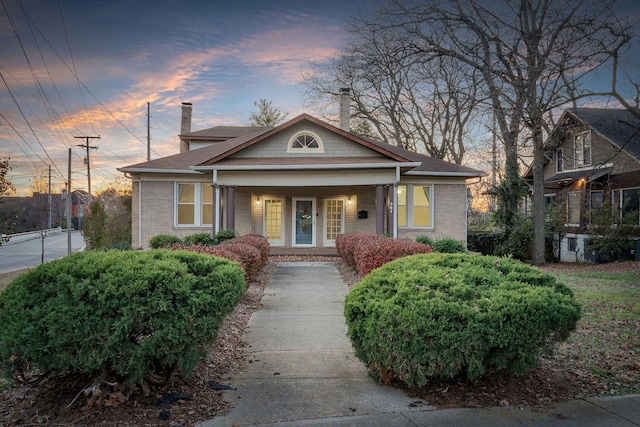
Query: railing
[30, 235]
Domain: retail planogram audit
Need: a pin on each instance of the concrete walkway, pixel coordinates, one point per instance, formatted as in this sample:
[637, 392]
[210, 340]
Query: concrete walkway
[303, 371]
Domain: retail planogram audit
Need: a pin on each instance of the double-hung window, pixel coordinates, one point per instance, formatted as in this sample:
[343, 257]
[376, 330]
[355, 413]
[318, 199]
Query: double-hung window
[415, 206]
[574, 201]
[627, 200]
[193, 204]
[582, 149]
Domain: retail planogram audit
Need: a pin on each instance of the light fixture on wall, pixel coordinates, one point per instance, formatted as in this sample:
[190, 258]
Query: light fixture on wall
[349, 201]
[258, 201]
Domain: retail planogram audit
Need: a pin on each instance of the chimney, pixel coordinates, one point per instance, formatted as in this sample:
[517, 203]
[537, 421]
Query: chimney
[345, 108]
[185, 126]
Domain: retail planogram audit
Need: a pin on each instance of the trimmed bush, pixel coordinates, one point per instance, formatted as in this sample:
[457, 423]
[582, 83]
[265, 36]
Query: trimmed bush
[163, 241]
[223, 235]
[426, 240]
[120, 313]
[204, 239]
[430, 318]
[448, 245]
[373, 251]
[345, 246]
[259, 242]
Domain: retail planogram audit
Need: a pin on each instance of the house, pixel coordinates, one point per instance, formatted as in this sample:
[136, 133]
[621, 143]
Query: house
[592, 157]
[299, 184]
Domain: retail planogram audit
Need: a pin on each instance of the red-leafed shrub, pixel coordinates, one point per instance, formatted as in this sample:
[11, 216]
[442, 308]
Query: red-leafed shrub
[259, 242]
[371, 251]
[246, 255]
[346, 245]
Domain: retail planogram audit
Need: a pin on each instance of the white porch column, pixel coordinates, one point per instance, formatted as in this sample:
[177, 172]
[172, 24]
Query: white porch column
[230, 204]
[379, 209]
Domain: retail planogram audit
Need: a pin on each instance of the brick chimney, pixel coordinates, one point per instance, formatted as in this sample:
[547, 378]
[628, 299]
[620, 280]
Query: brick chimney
[345, 108]
[185, 125]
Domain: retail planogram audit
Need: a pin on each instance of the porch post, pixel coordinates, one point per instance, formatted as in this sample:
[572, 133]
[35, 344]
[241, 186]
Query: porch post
[231, 207]
[379, 209]
[216, 209]
[390, 208]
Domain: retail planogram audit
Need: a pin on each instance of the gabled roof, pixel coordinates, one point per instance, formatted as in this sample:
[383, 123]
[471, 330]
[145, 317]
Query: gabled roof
[218, 154]
[618, 125]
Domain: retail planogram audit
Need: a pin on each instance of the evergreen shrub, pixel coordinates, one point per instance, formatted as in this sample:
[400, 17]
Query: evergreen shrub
[223, 235]
[163, 241]
[118, 313]
[448, 245]
[431, 318]
[205, 239]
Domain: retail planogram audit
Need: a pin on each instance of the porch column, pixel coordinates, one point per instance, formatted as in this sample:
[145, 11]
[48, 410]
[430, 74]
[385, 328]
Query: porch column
[231, 207]
[390, 216]
[216, 210]
[379, 209]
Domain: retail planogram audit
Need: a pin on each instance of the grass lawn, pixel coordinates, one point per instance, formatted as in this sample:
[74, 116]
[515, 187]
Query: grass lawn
[606, 346]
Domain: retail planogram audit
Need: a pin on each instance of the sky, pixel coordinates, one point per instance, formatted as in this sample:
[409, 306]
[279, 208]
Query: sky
[77, 68]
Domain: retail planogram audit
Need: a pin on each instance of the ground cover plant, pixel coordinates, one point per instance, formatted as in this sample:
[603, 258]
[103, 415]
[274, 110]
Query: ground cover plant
[123, 314]
[438, 317]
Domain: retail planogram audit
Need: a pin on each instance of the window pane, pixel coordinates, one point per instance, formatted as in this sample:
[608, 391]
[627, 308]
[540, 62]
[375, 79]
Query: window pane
[186, 193]
[559, 160]
[630, 201]
[421, 207]
[207, 214]
[207, 193]
[185, 214]
[597, 199]
[402, 205]
[573, 207]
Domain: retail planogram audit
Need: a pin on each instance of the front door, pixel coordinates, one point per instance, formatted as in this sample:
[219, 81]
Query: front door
[304, 222]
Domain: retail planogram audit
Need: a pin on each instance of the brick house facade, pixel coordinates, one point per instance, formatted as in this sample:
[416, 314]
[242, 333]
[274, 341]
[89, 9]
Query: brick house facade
[300, 184]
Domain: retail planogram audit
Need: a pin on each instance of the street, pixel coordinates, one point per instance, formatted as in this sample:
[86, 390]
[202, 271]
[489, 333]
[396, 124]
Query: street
[26, 254]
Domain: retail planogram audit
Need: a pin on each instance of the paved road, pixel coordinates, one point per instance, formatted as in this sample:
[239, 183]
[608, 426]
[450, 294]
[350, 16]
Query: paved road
[26, 254]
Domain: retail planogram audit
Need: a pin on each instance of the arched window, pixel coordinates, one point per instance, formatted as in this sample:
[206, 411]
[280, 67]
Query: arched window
[305, 142]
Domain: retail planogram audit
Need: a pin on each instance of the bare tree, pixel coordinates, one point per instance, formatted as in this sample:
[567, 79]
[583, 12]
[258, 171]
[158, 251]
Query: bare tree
[529, 55]
[419, 104]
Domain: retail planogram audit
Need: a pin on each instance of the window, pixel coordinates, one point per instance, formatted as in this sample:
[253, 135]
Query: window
[572, 244]
[583, 149]
[414, 206]
[549, 200]
[573, 207]
[194, 204]
[627, 200]
[596, 199]
[559, 160]
[307, 142]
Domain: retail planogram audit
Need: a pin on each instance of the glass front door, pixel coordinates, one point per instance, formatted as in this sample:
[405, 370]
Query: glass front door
[304, 214]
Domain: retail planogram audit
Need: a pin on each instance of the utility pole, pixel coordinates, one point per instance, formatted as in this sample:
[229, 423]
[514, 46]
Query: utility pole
[69, 205]
[49, 200]
[87, 146]
[148, 132]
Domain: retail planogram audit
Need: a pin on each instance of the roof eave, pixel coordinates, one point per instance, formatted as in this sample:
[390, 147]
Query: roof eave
[310, 167]
[159, 170]
[447, 174]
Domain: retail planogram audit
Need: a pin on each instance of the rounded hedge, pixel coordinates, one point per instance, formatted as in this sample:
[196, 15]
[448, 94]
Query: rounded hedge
[429, 318]
[122, 313]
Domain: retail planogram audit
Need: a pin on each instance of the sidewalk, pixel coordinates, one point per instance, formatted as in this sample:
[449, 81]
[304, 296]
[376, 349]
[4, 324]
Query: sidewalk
[303, 371]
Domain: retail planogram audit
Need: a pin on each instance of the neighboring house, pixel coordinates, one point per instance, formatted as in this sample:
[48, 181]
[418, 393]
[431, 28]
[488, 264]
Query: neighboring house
[300, 184]
[592, 157]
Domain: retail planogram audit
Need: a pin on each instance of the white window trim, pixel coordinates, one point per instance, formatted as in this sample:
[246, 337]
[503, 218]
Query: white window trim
[572, 224]
[197, 202]
[315, 136]
[409, 199]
